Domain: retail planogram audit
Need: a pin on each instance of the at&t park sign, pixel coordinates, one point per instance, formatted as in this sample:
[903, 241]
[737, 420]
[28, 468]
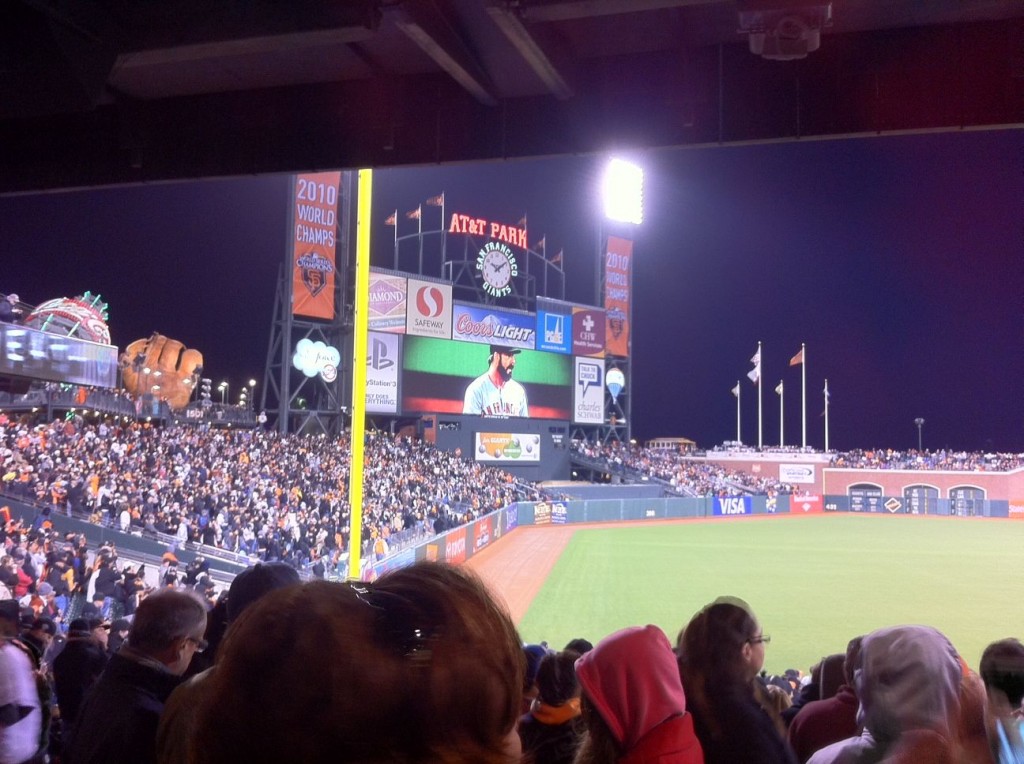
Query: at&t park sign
[495, 262]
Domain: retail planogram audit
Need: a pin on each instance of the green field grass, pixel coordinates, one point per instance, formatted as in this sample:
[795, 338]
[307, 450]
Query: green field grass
[814, 582]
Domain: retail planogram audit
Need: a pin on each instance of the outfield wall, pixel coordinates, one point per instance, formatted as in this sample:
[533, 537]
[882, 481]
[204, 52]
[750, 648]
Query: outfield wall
[458, 545]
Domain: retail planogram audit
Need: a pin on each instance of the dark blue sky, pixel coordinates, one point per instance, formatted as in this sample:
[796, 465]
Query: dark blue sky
[898, 260]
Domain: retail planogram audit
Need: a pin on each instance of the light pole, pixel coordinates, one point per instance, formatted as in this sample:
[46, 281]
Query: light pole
[223, 387]
[920, 423]
[252, 393]
[622, 195]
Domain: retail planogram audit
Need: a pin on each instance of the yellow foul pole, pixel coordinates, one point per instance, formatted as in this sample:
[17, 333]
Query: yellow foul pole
[362, 309]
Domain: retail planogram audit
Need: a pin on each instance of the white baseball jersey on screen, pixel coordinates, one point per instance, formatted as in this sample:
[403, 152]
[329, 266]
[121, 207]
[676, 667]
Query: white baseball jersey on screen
[484, 398]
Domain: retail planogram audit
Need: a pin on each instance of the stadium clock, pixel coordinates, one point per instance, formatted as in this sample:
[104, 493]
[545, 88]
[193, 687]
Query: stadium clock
[497, 266]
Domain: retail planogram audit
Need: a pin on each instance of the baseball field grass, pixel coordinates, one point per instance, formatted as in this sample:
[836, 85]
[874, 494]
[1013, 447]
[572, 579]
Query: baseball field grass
[813, 581]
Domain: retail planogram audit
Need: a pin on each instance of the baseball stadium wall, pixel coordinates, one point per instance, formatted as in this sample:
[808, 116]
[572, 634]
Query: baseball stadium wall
[458, 545]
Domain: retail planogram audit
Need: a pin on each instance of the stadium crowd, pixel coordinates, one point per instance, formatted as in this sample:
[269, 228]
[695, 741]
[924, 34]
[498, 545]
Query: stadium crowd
[423, 665]
[262, 494]
[680, 471]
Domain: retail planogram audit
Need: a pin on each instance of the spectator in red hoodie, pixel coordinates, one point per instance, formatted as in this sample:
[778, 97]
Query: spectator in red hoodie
[633, 702]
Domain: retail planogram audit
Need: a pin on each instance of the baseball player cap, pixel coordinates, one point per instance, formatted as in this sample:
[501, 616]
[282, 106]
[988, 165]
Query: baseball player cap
[505, 349]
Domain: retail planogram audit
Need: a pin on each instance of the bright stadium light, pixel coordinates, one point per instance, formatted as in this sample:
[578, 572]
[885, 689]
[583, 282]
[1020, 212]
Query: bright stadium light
[623, 192]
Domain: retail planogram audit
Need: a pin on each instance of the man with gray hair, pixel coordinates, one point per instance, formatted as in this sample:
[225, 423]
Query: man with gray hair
[119, 720]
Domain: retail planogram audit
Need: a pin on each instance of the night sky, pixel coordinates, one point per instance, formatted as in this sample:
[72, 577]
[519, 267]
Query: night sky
[897, 260]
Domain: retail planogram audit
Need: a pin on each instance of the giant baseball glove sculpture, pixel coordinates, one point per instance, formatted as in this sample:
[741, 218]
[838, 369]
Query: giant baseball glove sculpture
[163, 367]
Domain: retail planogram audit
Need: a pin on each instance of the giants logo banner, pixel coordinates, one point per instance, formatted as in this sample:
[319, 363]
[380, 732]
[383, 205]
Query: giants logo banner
[617, 273]
[429, 309]
[387, 303]
[314, 242]
[382, 373]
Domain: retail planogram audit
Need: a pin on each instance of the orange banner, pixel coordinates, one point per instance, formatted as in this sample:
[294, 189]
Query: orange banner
[315, 237]
[618, 269]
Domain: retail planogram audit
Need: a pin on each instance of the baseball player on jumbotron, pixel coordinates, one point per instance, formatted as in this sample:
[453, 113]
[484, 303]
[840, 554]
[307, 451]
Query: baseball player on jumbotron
[495, 393]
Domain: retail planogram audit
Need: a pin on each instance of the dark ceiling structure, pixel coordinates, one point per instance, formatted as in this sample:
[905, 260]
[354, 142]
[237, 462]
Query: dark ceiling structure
[101, 92]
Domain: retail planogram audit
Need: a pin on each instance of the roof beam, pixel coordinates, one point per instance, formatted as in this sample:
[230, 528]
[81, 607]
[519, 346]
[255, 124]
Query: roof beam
[428, 29]
[508, 21]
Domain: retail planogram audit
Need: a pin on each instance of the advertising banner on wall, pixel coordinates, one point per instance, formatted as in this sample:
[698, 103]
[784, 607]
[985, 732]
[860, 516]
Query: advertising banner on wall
[449, 377]
[387, 303]
[314, 243]
[482, 533]
[429, 309]
[542, 513]
[732, 505]
[507, 447]
[484, 324]
[588, 332]
[382, 373]
[588, 391]
[807, 504]
[796, 473]
[455, 546]
[617, 273]
[554, 332]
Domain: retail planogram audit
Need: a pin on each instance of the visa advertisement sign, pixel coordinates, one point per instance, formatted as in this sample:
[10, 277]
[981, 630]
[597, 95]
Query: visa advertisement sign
[483, 324]
[554, 332]
[726, 506]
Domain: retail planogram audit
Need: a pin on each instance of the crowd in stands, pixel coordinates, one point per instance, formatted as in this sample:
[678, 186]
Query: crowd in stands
[424, 665]
[690, 473]
[261, 494]
[680, 471]
[957, 461]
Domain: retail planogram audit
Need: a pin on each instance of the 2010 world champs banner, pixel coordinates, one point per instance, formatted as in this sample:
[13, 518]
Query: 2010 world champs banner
[314, 243]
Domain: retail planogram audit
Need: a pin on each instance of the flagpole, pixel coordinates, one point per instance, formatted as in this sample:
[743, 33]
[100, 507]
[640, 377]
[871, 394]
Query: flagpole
[826, 416]
[803, 394]
[782, 418]
[760, 419]
[738, 438]
[419, 230]
[444, 235]
[396, 238]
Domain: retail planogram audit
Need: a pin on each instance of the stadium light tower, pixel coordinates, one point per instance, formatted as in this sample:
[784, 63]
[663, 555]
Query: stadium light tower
[622, 200]
[223, 387]
[623, 192]
[920, 423]
[252, 393]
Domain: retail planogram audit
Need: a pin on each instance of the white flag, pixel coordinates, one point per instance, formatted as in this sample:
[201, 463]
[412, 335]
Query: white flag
[754, 374]
[736, 390]
[826, 393]
[778, 390]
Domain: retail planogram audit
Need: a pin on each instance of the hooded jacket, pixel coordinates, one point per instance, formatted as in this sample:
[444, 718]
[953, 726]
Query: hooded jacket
[908, 683]
[632, 679]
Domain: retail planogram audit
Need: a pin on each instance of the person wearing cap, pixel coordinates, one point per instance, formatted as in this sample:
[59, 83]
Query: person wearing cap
[39, 636]
[79, 665]
[495, 393]
[21, 717]
[117, 723]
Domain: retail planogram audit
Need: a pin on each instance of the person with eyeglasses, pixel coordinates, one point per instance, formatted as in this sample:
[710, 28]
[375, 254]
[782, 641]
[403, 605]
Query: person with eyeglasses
[721, 651]
[118, 721]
